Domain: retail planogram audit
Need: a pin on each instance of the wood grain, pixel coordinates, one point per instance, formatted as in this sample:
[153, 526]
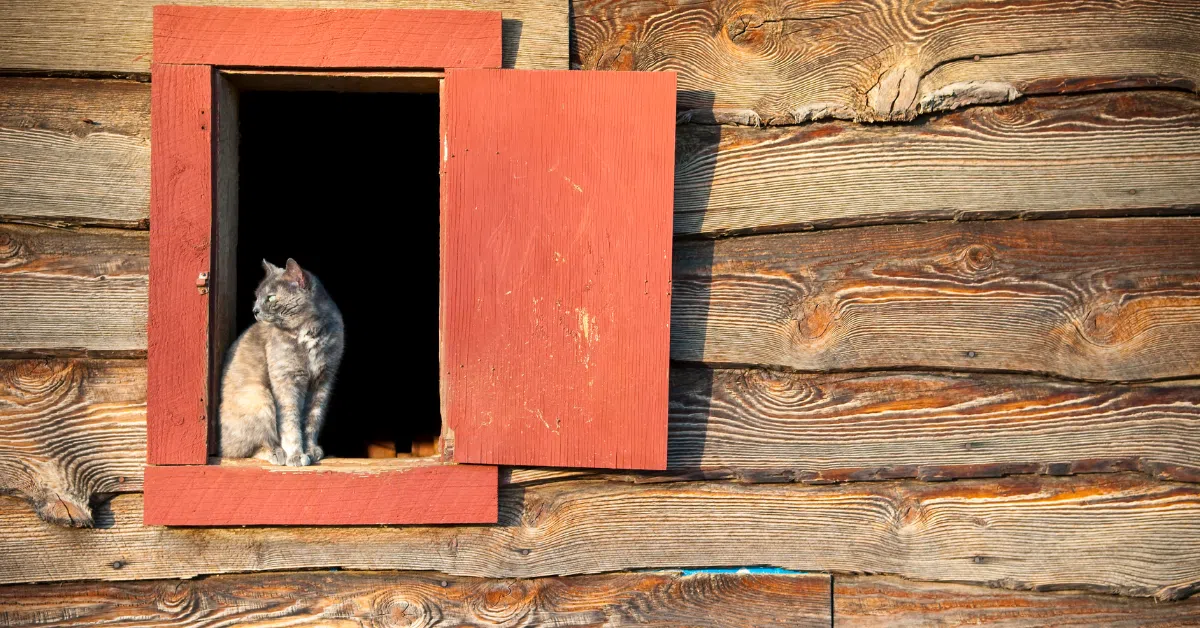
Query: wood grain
[385, 599]
[748, 425]
[877, 601]
[181, 208]
[115, 37]
[209, 495]
[748, 62]
[326, 38]
[75, 151]
[1132, 152]
[759, 425]
[1095, 154]
[1113, 533]
[556, 266]
[70, 429]
[1095, 299]
[72, 291]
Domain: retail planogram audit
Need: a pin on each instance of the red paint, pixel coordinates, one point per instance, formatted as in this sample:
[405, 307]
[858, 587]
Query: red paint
[213, 495]
[326, 38]
[556, 266]
[180, 239]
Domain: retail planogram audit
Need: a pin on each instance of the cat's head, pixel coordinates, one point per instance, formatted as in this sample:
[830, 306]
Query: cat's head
[285, 296]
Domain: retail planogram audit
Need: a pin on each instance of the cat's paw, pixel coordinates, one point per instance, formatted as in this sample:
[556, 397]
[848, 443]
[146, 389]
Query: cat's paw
[315, 453]
[298, 460]
[276, 456]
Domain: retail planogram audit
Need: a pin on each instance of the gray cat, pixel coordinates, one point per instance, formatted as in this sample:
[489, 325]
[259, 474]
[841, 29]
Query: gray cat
[279, 373]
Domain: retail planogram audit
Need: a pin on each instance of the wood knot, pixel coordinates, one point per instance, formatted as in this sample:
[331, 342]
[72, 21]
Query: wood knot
[394, 608]
[504, 603]
[909, 514]
[1107, 321]
[781, 390]
[744, 29]
[40, 381]
[12, 248]
[813, 318]
[171, 597]
[977, 258]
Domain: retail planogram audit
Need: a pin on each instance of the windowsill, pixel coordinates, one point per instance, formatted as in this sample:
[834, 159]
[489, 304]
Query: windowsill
[350, 465]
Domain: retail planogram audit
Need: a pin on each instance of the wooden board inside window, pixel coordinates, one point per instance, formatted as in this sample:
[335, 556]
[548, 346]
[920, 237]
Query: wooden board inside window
[556, 266]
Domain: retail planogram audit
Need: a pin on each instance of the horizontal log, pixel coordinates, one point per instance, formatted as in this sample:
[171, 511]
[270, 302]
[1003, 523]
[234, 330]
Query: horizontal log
[1133, 152]
[1113, 533]
[73, 428]
[1096, 154]
[69, 35]
[70, 429]
[783, 63]
[422, 599]
[73, 291]
[770, 426]
[74, 151]
[886, 602]
[1090, 299]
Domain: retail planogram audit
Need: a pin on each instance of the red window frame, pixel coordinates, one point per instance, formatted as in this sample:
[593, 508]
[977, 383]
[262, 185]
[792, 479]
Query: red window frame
[190, 43]
[599, 259]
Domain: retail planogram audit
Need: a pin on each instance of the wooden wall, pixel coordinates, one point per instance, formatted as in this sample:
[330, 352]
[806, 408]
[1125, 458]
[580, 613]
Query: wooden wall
[935, 341]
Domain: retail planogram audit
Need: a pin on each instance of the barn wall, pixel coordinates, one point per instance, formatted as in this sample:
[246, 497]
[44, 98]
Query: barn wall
[936, 320]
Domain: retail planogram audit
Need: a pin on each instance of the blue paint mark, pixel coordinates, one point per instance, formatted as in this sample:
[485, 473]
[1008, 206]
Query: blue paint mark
[743, 570]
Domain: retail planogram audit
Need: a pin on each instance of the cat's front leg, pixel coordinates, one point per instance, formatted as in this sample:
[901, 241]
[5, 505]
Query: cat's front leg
[291, 429]
[322, 388]
[289, 387]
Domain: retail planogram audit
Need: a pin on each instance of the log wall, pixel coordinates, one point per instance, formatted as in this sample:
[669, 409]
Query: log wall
[936, 320]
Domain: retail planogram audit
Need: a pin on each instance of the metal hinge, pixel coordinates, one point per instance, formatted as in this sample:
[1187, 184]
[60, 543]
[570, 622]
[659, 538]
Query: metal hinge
[202, 283]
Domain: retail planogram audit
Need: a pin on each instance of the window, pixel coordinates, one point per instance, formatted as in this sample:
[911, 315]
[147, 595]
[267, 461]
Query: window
[551, 259]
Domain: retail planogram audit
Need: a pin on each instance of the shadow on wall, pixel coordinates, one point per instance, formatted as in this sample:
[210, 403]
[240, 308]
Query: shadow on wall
[510, 35]
[691, 385]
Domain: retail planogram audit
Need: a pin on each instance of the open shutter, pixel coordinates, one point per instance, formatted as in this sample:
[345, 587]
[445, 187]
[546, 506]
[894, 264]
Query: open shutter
[556, 266]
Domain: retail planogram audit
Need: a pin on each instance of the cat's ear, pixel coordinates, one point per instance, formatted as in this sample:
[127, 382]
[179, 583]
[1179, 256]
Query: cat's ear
[295, 274]
[270, 268]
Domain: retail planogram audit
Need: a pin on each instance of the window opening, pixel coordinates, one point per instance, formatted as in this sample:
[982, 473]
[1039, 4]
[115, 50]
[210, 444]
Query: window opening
[347, 184]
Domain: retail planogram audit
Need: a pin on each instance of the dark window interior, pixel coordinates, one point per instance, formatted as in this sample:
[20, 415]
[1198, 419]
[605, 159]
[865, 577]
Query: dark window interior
[347, 184]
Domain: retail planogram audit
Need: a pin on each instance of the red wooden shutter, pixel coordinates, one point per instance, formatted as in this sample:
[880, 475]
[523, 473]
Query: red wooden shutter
[556, 266]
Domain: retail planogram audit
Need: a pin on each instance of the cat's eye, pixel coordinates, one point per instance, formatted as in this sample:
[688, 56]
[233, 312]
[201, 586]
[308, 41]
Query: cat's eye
[271, 298]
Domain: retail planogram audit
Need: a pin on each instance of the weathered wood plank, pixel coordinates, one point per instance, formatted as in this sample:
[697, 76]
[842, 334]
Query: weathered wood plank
[1095, 299]
[1132, 152]
[75, 151]
[70, 429]
[72, 291]
[879, 601]
[422, 599]
[1114, 533]
[115, 37]
[771, 426]
[751, 425]
[781, 63]
[1095, 154]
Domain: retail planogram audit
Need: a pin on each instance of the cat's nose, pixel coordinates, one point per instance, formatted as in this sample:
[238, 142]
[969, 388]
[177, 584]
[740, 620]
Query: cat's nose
[257, 311]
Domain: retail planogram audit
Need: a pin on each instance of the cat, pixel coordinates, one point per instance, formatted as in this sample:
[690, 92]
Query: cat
[279, 373]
